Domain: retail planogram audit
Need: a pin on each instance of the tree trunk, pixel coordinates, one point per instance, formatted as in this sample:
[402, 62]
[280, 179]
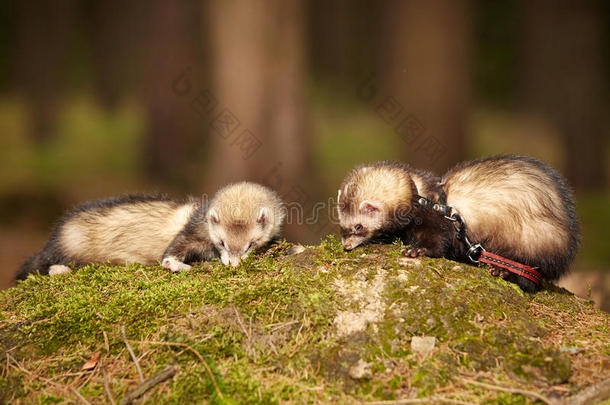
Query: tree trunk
[43, 39]
[238, 47]
[118, 39]
[173, 125]
[563, 78]
[426, 79]
[259, 129]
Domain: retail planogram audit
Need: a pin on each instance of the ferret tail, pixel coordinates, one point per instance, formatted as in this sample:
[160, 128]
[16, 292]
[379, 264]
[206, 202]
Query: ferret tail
[32, 264]
[40, 262]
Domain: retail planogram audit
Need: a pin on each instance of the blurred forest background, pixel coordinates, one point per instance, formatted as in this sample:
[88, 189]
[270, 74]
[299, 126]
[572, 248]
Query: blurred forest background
[99, 98]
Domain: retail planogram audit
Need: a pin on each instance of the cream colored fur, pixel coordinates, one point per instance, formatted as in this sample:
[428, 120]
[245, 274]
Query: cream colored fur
[128, 233]
[511, 204]
[384, 188]
[242, 217]
[386, 184]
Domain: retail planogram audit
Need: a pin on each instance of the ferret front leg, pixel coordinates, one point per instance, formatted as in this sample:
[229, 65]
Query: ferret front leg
[498, 271]
[184, 246]
[430, 240]
[174, 264]
[176, 253]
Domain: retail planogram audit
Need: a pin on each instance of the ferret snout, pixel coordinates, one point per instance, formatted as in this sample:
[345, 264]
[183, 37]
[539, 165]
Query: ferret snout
[353, 241]
[350, 242]
[229, 259]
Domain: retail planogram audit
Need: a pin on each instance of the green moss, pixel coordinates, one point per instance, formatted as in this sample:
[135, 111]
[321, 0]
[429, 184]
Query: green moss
[434, 373]
[269, 329]
[505, 398]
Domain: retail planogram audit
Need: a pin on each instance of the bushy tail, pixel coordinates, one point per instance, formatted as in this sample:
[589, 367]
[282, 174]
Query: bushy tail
[32, 264]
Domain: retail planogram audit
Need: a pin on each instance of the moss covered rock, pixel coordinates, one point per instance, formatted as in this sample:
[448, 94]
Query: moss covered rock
[322, 325]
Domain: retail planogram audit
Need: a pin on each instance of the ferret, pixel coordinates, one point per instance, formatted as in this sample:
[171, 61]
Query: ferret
[380, 201]
[243, 217]
[517, 207]
[145, 229]
[127, 229]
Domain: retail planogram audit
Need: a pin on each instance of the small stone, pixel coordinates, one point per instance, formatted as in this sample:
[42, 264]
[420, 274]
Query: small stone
[423, 344]
[409, 262]
[572, 349]
[295, 250]
[360, 370]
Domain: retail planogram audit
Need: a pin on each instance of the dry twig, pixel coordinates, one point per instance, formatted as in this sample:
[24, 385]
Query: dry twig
[107, 386]
[427, 400]
[591, 395]
[131, 353]
[106, 344]
[79, 396]
[199, 356]
[511, 390]
[166, 373]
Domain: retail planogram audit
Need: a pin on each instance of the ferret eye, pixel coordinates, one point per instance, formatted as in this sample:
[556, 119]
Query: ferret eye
[251, 245]
[358, 228]
[223, 244]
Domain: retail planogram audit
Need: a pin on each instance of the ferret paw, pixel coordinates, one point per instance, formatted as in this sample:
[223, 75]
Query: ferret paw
[58, 269]
[415, 252]
[174, 264]
[498, 272]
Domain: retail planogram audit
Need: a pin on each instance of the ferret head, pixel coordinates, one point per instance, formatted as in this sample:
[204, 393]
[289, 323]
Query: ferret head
[371, 200]
[242, 217]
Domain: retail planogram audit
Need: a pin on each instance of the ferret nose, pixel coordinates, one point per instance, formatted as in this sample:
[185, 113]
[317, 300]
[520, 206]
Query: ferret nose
[347, 245]
[234, 261]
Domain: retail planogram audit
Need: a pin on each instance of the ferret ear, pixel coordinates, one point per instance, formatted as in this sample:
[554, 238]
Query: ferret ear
[213, 215]
[263, 216]
[369, 206]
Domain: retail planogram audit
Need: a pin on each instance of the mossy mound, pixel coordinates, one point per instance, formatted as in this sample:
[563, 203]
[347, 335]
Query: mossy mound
[318, 326]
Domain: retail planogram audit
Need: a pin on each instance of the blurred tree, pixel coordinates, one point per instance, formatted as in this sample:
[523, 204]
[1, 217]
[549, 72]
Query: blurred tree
[117, 37]
[238, 38]
[495, 58]
[426, 74]
[259, 126]
[174, 132]
[341, 41]
[563, 78]
[7, 34]
[44, 33]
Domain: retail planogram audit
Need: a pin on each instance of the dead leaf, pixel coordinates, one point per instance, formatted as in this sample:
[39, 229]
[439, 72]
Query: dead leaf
[92, 362]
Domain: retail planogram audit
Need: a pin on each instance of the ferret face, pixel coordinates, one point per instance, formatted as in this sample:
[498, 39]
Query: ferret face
[235, 240]
[242, 217]
[359, 222]
[374, 199]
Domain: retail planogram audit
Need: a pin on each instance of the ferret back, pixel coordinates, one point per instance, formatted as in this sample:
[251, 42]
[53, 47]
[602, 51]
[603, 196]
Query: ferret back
[132, 229]
[516, 206]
